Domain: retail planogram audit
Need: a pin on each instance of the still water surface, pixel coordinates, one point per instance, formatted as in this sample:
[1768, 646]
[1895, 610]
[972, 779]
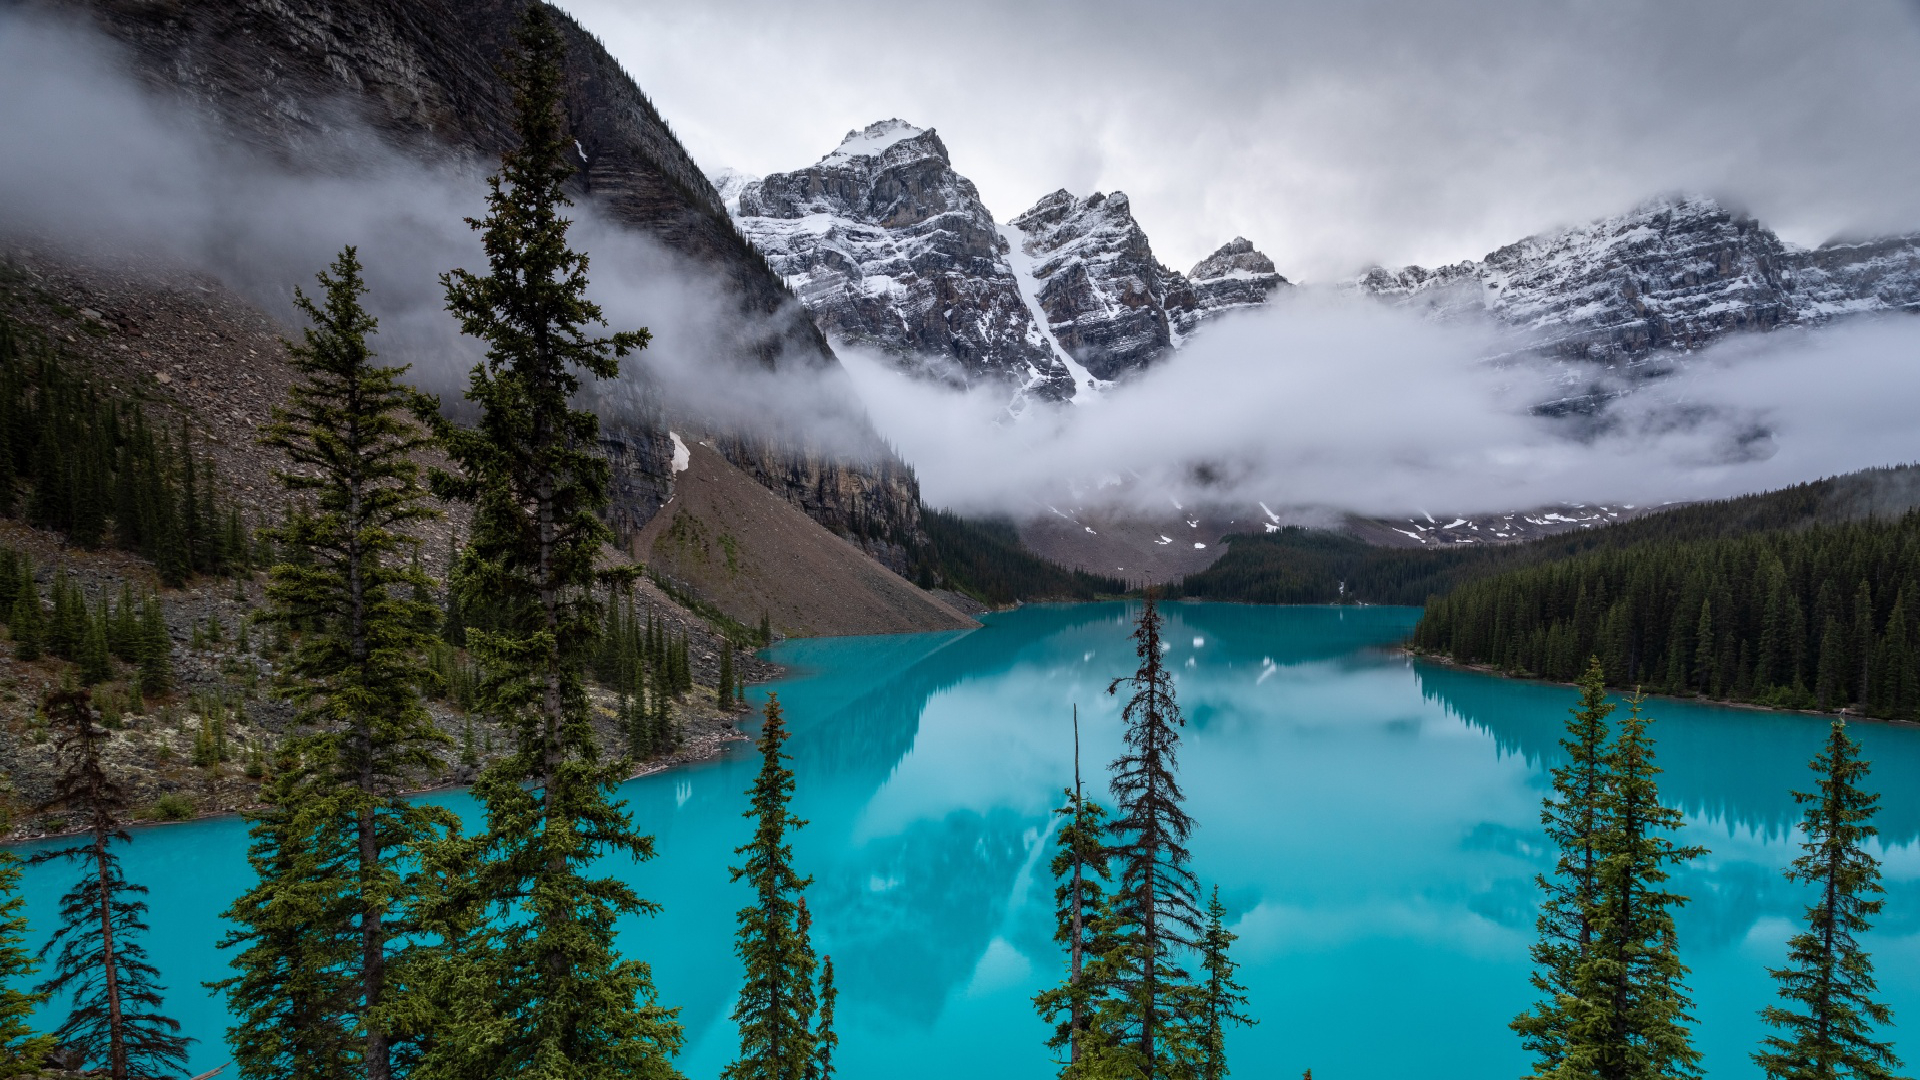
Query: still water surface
[1372, 825]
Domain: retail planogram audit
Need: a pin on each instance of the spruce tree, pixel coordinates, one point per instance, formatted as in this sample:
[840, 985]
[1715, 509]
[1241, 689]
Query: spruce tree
[22, 1050]
[293, 989]
[1628, 1010]
[723, 689]
[1080, 866]
[360, 673]
[1828, 1011]
[783, 1026]
[1218, 999]
[1156, 898]
[156, 651]
[1571, 815]
[115, 1024]
[26, 622]
[543, 992]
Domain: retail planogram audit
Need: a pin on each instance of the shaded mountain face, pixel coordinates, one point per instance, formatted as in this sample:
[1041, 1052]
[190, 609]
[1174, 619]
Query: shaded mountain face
[1672, 275]
[887, 246]
[303, 80]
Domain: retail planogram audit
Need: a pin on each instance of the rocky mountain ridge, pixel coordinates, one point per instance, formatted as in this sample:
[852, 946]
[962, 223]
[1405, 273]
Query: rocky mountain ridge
[1672, 275]
[889, 247]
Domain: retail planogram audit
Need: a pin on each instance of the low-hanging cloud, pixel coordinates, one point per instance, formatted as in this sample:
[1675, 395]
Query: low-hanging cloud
[1332, 402]
[93, 164]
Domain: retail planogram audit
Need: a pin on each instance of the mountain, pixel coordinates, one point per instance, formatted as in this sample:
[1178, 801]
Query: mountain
[887, 246]
[1672, 275]
[305, 81]
[1108, 301]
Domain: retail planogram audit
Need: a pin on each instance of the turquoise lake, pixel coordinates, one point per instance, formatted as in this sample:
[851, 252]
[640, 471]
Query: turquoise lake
[1372, 824]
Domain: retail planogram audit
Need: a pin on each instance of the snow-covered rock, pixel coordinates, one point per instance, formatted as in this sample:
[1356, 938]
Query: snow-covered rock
[1236, 276]
[1108, 301]
[1672, 275]
[888, 247]
[1104, 294]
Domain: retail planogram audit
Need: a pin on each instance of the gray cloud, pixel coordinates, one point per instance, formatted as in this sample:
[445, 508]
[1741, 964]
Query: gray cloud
[1331, 134]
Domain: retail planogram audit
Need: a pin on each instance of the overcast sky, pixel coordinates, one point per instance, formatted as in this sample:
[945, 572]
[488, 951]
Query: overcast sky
[1332, 135]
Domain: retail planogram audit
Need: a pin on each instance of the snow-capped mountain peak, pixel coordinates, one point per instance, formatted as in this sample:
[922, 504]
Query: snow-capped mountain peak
[871, 140]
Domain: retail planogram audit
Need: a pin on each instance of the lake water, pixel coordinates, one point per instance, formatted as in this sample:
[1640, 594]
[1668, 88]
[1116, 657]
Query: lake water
[1372, 824]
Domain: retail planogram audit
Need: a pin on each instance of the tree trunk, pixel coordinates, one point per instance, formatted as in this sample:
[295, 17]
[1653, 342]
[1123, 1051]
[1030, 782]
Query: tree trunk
[109, 960]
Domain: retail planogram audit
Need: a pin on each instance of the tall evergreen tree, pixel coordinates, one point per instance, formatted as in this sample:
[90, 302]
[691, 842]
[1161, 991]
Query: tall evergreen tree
[1218, 999]
[293, 989]
[22, 1050]
[1081, 867]
[1571, 815]
[785, 1020]
[26, 622]
[360, 672]
[1828, 1011]
[544, 992]
[1156, 897]
[156, 650]
[115, 1023]
[1628, 1011]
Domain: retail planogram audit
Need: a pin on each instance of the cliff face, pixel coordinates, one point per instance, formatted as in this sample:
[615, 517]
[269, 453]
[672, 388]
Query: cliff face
[297, 79]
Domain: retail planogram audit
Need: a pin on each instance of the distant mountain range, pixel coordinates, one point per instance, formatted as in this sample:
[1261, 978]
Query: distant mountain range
[887, 246]
[890, 248]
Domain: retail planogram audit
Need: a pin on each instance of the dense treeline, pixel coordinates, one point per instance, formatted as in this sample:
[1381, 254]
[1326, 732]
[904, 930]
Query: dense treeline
[62, 624]
[88, 464]
[985, 560]
[1314, 566]
[1818, 617]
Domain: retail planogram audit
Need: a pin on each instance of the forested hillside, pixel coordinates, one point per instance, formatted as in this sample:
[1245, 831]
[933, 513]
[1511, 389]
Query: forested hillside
[986, 560]
[1821, 616]
[1307, 566]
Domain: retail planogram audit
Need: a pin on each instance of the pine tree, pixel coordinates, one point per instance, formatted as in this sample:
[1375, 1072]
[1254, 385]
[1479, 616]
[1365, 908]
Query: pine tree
[1628, 1010]
[26, 621]
[1571, 815]
[780, 1037]
[293, 988]
[1219, 999]
[542, 991]
[360, 675]
[21, 1050]
[156, 651]
[1828, 1011]
[96, 655]
[1081, 868]
[723, 689]
[115, 1021]
[1156, 896]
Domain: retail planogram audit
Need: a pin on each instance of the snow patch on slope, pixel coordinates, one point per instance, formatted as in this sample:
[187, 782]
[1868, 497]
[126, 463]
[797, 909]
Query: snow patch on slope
[1022, 265]
[871, 140]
